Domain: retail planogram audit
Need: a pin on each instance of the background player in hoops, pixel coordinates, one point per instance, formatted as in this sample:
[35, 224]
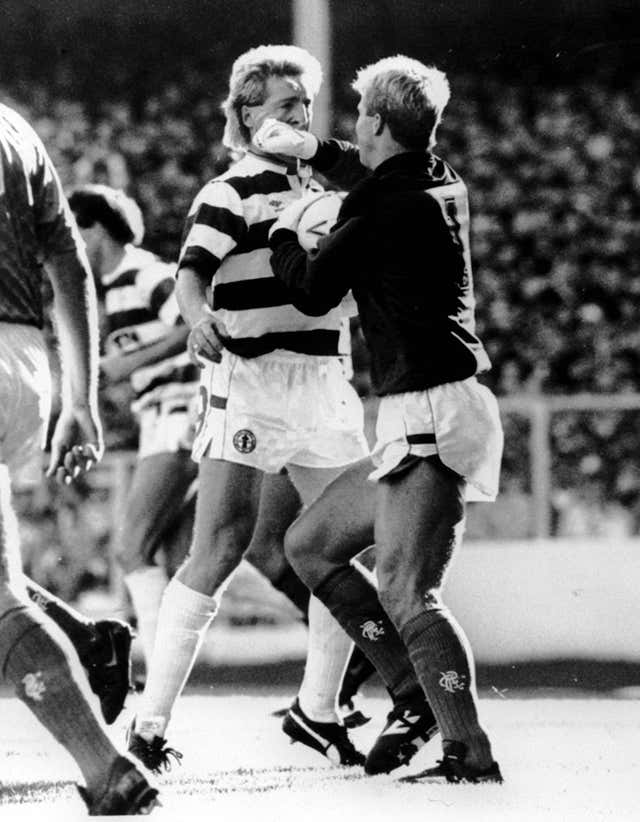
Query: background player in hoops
[401, 244]
[36, 230]
[145, 343]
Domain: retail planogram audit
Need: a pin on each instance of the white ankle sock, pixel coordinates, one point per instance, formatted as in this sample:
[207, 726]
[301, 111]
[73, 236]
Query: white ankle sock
[184, 618]
[328, 650]
[146, 586]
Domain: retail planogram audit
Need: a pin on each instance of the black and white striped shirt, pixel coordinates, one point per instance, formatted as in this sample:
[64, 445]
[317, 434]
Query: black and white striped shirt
[226, 241]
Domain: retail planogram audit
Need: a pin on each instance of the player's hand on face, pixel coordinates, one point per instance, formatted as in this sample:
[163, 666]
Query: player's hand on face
[206, 341]
[289, 217]
[275, 137]
[77, 444]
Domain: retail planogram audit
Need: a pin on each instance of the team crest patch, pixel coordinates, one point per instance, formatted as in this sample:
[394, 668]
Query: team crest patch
[372, 630]
[34, 687]
[452, 681]
[244, 441]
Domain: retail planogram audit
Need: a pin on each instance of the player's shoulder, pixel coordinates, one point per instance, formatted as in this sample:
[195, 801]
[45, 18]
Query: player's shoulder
[218, 192]
[20, 134]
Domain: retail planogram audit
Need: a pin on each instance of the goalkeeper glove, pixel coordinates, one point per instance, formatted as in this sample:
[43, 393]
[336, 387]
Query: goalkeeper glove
[274, 137]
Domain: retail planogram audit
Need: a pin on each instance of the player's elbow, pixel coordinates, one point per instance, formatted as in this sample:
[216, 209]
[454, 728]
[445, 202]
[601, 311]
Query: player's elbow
[313, 306]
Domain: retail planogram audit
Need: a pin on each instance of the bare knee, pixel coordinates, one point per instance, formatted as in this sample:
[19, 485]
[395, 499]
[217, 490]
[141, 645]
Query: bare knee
[306, 558]
[212, 560]
[267, 557]
[136, 546]
[405, 591]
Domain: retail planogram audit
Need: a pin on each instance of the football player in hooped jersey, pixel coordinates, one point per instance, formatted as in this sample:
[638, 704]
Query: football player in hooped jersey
[275, 397]
[146, 344]
[401, 244]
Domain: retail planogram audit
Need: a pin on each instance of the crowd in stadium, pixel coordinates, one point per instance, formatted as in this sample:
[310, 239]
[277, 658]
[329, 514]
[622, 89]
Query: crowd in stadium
[554, 178]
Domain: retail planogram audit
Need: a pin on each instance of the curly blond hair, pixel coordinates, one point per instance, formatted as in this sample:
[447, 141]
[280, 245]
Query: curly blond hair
[247, 84]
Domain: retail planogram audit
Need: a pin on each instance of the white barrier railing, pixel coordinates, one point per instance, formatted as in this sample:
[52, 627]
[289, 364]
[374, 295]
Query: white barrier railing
[114, 471]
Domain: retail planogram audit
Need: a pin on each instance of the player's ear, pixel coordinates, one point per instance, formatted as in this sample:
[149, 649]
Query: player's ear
[247, 116]
[378, 124]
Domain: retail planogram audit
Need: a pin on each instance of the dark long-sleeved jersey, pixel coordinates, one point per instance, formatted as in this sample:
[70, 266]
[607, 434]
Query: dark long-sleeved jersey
[35, 219]
[401, 244]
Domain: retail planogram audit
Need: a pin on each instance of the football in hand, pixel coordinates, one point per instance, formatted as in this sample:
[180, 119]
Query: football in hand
[318, 218]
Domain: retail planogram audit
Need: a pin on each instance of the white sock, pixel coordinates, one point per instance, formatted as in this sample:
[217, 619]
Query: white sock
[328, 651]
[146, 586]
[184, 618]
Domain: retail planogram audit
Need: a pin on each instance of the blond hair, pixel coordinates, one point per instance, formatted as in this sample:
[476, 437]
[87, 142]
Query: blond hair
[247, 84]
[409, 97]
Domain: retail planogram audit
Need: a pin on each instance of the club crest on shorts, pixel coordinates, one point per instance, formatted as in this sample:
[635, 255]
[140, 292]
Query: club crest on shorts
[244, 441]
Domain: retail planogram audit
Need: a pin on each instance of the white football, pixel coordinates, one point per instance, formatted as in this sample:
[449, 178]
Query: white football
[318, 218]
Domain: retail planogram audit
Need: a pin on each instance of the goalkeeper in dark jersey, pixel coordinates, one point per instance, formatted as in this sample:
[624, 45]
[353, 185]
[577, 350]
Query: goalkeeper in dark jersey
[401, 244]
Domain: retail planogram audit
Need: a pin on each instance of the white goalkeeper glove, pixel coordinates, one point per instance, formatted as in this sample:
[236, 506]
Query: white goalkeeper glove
[290, 216]
[274, 137]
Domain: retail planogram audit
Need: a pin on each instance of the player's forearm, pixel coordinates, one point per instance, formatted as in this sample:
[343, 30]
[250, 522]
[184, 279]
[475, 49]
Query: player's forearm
[76, 315]
[191, 293]
[289, 263]
[125, 364]
[339, 162]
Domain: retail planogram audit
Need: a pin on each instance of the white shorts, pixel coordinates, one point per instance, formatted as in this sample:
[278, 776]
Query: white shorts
[167, 425]
[279, 409]
[458, 421]
[25, 400]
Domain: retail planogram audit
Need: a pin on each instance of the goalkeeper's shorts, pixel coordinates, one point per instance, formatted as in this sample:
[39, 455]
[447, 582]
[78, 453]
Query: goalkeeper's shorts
[278, 409]
[458, 421]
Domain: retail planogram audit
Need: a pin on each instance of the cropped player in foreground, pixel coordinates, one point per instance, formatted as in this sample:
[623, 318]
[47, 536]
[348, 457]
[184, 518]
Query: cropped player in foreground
[275, 397]
[36, 230]
[401, 244]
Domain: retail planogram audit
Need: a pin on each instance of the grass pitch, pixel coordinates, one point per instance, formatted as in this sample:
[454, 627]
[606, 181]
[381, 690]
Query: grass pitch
[562, 759]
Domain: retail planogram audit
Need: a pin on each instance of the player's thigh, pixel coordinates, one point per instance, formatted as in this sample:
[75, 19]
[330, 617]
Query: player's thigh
[158, 486]
[279, 505]
[339, 523]
[227, 505]
[176, 540]
[311, 482]
[419, 521]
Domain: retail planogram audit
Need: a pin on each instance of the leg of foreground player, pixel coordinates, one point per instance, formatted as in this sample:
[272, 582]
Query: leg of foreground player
[103, 647]
[226, 511]
[313, 718]
[419, 522]
[320, 544]
[280, 503]
[158, 486]
[38, 660]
